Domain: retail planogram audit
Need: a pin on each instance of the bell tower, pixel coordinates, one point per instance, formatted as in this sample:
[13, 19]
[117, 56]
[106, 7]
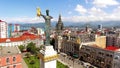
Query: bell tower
[59, 25]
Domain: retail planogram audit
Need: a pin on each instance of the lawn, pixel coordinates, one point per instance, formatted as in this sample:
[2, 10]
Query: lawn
[37, 63]
[60, 65]
[32, 62]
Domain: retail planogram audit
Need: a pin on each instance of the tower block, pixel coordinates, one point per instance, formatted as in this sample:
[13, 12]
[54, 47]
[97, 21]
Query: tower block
[47, 55]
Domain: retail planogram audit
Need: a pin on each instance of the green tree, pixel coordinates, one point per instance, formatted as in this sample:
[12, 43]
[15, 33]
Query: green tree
[21, 47]
[32, 62]
[31, 48]
[66, 66]
[41, 47]
[52, 42]
[27, 55]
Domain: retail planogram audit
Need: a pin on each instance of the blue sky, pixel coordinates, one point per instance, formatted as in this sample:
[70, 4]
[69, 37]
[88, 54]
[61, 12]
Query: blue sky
[13, 11]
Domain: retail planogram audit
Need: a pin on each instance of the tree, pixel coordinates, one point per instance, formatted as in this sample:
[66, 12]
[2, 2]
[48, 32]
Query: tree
[52, 42]
[32, 62]
[21, 47]
[31, 47]
[66, 66]
[27, 55]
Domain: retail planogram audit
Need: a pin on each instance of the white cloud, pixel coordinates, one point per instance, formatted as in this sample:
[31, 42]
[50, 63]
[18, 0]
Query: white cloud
[95, 14]
[23, 20]
[96, 11]
[91, 18]
[90, 15]
[105, 3]
[116, 11]
[80, 9]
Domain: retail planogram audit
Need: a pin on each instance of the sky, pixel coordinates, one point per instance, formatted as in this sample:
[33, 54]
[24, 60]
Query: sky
[24, 11]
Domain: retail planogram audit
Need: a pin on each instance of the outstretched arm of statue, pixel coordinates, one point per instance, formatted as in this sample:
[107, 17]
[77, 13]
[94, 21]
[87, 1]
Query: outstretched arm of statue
[43, 16]
[49, 17]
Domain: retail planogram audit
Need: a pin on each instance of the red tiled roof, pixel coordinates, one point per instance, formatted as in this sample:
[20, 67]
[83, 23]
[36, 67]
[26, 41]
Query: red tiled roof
[112, 48]
[98, 33]
[3, 40]
[21, 38]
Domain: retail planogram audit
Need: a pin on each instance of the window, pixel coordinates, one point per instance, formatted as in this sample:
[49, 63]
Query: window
[14, 66]
[7, 60]
[14, 59]
[8, 67]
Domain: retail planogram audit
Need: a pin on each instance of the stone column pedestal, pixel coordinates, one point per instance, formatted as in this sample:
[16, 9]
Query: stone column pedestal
[48, 57]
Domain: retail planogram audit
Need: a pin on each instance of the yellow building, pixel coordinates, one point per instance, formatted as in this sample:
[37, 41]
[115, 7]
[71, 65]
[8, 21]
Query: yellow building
[100, 41]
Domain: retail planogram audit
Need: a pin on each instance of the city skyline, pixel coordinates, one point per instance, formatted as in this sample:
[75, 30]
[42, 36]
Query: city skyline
[24, 11]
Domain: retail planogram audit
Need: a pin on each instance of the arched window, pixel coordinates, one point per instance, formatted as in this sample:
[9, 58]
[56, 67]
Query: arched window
[14, 59]
[7, 60]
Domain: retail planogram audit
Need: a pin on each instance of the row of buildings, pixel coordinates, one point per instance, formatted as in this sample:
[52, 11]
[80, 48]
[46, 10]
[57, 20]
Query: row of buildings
[10, 56]
[100, 48]
[10, 38]
[6, 29]
[97, 50]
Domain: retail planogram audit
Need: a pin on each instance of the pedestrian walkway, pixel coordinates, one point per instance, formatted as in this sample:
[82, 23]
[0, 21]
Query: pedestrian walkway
[24, 65]
[69, 61]
[63, 63]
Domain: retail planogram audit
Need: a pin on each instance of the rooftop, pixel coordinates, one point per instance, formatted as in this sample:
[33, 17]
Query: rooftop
[112, 48]
[4, 51]
[21, 38]
[1, 21]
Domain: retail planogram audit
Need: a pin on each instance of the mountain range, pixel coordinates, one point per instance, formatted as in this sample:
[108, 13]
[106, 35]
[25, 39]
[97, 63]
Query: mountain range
[77, 24]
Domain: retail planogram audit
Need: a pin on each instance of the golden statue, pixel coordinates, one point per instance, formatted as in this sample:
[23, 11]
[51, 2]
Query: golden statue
[38, 12]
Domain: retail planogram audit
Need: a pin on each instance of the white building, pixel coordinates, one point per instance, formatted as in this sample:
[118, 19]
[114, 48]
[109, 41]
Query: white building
[3, 29]
[22, 40]
[40, 31]
[16, 27]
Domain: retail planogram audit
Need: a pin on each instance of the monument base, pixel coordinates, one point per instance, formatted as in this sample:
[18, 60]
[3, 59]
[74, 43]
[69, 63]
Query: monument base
[48, 57]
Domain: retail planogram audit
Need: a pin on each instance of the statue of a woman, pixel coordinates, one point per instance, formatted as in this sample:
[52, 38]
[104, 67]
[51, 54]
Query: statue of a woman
[47, 19]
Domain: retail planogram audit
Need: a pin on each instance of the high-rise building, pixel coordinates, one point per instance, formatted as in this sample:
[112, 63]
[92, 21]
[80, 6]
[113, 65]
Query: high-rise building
[16, 27]
[9, 30]
[111, 40]
[100, 27]
[3, 29]
[86, 28]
